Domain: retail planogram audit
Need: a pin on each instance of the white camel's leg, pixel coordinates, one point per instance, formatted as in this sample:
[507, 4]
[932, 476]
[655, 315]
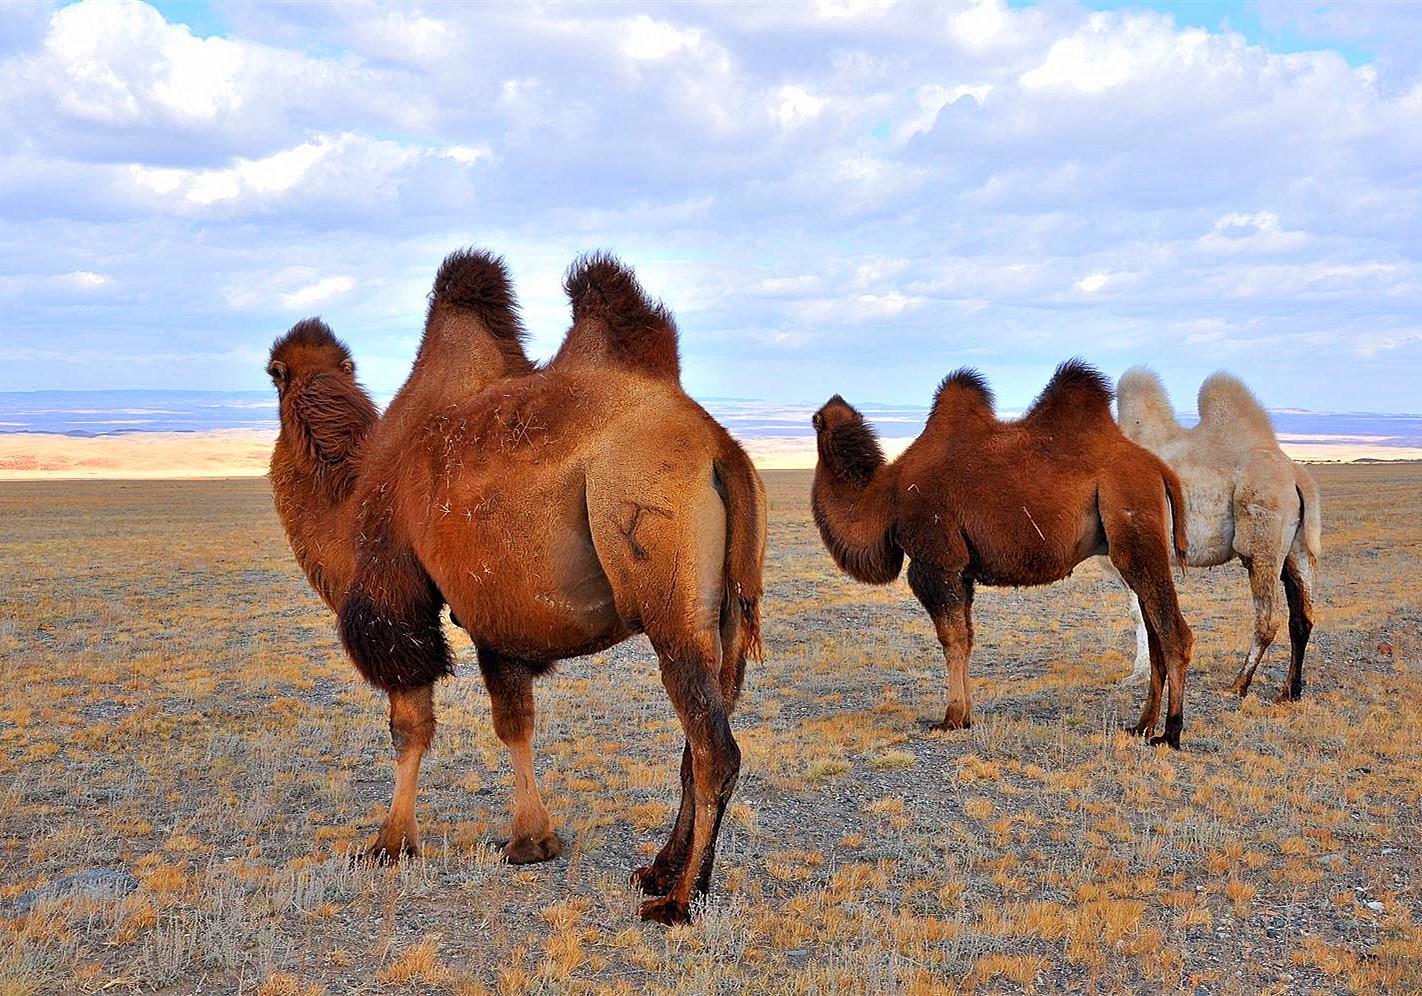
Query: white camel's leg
[1263, 552]
[1140, 670]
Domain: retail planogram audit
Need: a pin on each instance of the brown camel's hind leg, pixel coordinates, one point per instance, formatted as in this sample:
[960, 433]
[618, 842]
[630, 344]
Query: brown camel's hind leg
[948, 597]
[1139, 546]
[510, 685]
[656, 878]
[1298, 587]
[690, 674]
[412, 725]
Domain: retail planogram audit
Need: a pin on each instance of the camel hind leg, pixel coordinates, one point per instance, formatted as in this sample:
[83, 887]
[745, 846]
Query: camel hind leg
[1299, 580]
[656, 878]
[661, 542]
[510, 686]
[1140, 548]
[1264, 572]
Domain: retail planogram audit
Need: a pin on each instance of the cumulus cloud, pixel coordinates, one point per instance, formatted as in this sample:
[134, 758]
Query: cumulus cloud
[849, 196]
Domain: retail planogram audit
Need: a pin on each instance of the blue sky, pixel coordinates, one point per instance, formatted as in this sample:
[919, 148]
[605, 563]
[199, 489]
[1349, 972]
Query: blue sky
[845, 196]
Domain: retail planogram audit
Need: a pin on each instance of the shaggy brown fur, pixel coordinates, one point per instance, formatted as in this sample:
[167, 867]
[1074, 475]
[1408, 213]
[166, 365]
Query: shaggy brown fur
[615, 322]
[978, 500]
[325, 419]
[557, 512]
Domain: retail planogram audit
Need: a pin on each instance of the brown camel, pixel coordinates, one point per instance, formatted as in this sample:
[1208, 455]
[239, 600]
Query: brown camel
[978, 500]
[557, 511]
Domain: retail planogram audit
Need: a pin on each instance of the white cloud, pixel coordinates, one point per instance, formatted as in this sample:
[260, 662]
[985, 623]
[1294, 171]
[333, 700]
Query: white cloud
[1092, 283]
[647, 40]
[794, 105]
[322, 290]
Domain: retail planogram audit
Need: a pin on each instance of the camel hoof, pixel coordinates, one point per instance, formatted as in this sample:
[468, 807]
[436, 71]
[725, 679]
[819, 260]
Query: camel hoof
[1172, 742]
[652, 880]
[666, 911]
[527, 851]
[1240, 687]
[948, 725]
[1286, 696]
[1138, 730]
[386, 853]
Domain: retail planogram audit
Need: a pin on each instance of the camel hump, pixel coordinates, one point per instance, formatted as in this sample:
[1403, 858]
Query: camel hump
[1077, 393]
[1227, 406]
[614, 321]
[965, 384]
[472, 284]
[1141, 382]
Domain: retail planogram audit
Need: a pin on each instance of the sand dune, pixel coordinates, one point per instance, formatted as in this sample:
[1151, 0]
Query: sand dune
[245, 452]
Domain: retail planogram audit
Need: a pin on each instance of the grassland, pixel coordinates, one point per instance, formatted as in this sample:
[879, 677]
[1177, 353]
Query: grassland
[177, 719]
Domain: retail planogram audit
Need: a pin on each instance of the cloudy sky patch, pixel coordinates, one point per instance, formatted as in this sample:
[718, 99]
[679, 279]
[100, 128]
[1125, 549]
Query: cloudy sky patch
[845, 196]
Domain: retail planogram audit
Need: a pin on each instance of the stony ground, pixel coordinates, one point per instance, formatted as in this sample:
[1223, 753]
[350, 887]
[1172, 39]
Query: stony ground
[185, 759]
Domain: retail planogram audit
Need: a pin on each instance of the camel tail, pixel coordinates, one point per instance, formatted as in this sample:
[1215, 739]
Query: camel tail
[1312, 524]
[390, 623]
[1176, 495]
[744, 497]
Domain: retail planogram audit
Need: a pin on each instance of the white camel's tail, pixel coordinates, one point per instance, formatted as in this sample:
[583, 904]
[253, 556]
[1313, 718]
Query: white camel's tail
[1312, 523]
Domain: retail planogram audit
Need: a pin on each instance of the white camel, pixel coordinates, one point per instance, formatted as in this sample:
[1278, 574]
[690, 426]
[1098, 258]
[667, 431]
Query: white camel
[1243, 498]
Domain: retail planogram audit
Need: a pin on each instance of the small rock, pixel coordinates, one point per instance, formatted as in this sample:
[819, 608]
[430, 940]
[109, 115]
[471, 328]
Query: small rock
[1385, 649]
[1335, 862]
[1373, 905]
[92, 884]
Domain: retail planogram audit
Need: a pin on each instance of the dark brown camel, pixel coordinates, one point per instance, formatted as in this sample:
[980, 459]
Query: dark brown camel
[558, 512]
[975, 500]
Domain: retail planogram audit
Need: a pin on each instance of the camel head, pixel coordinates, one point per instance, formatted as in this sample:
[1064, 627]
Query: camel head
[320, 402]
[1143, 408]
[848, 446]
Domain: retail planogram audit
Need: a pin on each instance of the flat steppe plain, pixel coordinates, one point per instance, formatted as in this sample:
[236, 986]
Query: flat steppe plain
[178, 721]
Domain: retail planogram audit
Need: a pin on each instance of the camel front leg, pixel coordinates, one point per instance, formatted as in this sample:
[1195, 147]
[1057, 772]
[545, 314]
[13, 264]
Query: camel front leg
[948, 597]
[510, 686]
[412, 725]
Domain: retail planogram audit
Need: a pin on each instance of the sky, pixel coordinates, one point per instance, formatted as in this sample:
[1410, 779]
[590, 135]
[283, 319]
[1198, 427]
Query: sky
[850, 196]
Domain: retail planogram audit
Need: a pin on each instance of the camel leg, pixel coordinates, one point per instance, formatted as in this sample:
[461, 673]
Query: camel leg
[948, 597]
[1141, 668]
[1140, 550]
[1264, 572]
[690, 674]
[1298, 588]
[1150, 711]
[656, 878]
[510, 685]
[412, 725]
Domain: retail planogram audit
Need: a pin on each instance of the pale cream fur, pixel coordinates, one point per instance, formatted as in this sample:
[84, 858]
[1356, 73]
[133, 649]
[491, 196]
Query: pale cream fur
[1244, 499]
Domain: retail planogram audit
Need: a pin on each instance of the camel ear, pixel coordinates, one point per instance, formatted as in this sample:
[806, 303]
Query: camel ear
[348, 366]
[277, 371]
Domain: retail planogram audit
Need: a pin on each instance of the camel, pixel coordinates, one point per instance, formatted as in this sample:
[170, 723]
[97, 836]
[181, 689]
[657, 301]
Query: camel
[975, 500]
[1244, 499]
[556, 510]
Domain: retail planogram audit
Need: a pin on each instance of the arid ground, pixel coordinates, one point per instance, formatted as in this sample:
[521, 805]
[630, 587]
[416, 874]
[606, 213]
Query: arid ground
[186, 759]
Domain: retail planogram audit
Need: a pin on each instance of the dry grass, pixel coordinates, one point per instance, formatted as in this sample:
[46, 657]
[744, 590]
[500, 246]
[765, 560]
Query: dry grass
[173, 705]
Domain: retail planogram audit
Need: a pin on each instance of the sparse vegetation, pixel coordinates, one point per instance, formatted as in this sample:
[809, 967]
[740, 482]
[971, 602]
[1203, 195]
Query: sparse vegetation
[175, 709]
